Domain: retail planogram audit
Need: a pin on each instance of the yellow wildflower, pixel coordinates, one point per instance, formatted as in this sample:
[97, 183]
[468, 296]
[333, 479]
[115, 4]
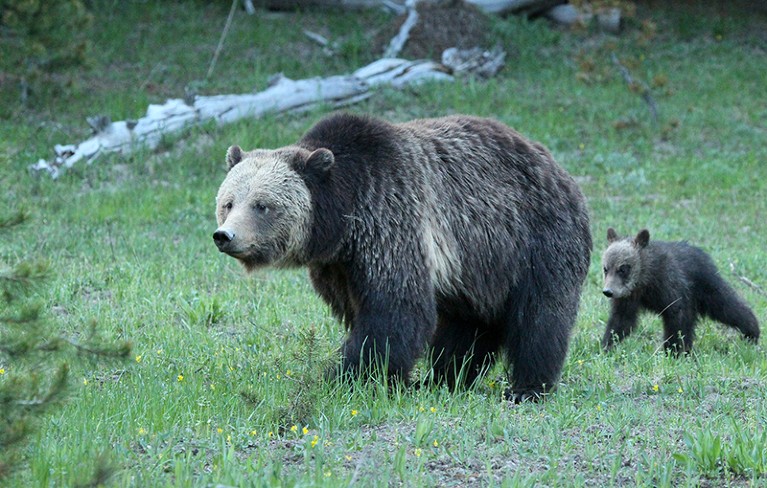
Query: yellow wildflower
[294, 428]
[305, 430]
[315, 440]
[417, 452]
[436, 444]
[180, 377]
[138, 358]
[354, 412]
[219, 430]
[433, 410]
[655, 387]
[141, 431]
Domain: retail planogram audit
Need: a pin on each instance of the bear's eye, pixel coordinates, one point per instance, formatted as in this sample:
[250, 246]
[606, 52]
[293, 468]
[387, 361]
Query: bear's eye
[261, 208]
[624, 270]
[604, 269]
[228, 206]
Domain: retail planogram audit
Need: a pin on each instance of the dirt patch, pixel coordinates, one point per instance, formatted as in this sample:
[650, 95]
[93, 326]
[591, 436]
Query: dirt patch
[440, 26]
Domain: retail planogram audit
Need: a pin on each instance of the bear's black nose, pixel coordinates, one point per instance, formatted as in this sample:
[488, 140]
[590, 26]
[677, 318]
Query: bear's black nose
[222, 238]
[608, 292]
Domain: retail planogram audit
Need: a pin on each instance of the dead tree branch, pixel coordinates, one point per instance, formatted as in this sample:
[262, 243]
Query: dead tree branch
[638, 87]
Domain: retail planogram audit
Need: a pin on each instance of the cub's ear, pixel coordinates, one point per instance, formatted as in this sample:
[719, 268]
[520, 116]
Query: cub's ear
[612, 236]
[233, 156]
[642, 239]
[318, 161]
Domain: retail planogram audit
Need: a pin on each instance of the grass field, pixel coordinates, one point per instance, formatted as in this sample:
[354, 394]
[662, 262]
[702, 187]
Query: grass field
[224, 386]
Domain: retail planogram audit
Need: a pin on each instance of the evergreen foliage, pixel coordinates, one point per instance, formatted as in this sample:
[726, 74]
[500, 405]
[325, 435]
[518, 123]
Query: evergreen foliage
[34, 355]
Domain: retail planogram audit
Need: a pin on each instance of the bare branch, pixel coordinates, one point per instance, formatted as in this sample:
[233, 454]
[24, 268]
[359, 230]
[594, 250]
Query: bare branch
[637, 86]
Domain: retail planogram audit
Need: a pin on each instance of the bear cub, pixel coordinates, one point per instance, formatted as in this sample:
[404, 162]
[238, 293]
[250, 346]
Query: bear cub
[673, 279]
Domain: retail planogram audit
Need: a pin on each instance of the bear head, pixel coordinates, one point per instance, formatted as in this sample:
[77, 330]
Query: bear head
[622, 263]
[264, 206]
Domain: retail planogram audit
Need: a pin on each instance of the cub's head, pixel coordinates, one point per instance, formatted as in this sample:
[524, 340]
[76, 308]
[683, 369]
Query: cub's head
[622, 263]
[264, 208]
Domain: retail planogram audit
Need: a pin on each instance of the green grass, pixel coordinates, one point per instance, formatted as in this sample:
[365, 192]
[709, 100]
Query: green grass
[225, 364]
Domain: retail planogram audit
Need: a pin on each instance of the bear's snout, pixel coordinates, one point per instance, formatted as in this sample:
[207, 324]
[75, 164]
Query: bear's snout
[608, 292]
[222, 238]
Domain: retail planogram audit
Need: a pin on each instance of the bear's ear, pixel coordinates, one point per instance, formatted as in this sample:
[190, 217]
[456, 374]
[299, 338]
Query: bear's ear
[233, 156]
[318, 161]
[612, 236]
[642, 239]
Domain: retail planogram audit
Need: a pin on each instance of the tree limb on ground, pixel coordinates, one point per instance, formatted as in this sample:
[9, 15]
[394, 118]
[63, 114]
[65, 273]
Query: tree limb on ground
[638, 87]
[283, 95]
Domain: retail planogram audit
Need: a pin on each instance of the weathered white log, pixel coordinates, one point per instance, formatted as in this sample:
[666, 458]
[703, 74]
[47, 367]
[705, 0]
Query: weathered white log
[320, 4]
[398, 41]
[508, 6]
[249, 8]
[284, 95]
[487, 6]
[476, 61]
[399, 72]
[608, 19]
[569, 15]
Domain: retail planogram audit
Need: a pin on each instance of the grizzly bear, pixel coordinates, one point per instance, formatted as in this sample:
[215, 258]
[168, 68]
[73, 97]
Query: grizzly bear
[677, 281]
[455, 233]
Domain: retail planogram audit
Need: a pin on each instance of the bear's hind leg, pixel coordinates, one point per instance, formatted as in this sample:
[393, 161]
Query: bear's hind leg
[461, 352]
[537, 348]
[678, 330]
[718, 300]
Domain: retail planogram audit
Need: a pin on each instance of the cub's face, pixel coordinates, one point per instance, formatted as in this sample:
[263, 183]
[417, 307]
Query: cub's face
[263, 208]
[622, 264]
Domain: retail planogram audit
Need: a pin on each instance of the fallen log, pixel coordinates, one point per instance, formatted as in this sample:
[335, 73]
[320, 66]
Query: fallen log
[283, 95]
[608, 19]
[502, 7]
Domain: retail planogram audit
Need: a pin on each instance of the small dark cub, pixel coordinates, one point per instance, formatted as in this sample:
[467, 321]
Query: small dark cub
[673, 279]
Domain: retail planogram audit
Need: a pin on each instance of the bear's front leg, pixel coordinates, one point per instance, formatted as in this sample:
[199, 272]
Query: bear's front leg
[394, 318]
[623, 319]
[386, 340]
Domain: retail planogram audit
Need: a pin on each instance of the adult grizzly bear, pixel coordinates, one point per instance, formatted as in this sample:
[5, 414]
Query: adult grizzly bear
[454, 232]
[677, 281]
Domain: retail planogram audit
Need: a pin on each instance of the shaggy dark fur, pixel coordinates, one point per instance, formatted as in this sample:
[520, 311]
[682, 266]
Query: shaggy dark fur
[455, 233]
[673, 279]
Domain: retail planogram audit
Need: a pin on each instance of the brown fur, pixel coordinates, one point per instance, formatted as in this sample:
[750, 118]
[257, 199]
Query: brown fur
[455, 233]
